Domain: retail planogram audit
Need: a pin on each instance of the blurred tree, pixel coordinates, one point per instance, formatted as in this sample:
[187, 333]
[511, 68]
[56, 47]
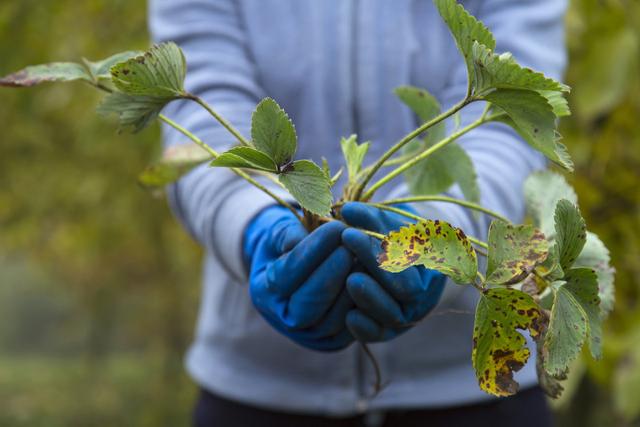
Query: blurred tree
[114, 260]
[603, 136]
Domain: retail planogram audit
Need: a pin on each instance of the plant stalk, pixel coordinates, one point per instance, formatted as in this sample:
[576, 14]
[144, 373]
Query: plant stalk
[446, 199]
[228, 126]
[404, 141]
[423, 155]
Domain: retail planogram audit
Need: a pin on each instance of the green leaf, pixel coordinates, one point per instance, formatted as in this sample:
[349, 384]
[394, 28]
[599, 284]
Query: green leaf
[493, 71]
[245, 157]
[272, 132]
[438, 172]
[102, 69]
[557, 101]
[421, 102]
[542, 192]
[134, 112]
[309, 185]
[499, 349]
[570, 233]
[531, 115]
[159, 72]
[176, 161]
[434, 244]
[466, 31]
[514, 251]
[575, 316]
[354, 155]
[595, 255]
[53, 72]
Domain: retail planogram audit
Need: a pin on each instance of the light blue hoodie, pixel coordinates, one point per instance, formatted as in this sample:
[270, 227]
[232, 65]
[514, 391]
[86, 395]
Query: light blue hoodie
[332, 65]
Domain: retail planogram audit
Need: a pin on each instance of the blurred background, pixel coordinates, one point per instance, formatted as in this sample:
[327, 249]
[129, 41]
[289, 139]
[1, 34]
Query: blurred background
[99, 286]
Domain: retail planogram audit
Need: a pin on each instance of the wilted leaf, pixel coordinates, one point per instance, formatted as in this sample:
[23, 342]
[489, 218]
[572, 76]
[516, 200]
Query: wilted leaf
[176, 161]
[542, 192]
[353, 154]
[134, 112]
[514, 251]
[570, 233]
[595, 255]
[466, 30]
[53, 72]
[102, 69]
[309, 185]
[531, 115]
[245, 157]
[436, 245]
[575, 316]
[159, 72]
[272, 132]
[499, 349]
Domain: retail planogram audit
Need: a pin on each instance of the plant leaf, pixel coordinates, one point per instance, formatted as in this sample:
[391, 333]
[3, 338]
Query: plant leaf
[499, 349]
[514, 251]
[134, 112]
[595, 255]
[353, 154]
[557, 101]
[575, 315]
[542, 191]
[421, 102]
[53, 72]
[466, 30]
[434, 244]
[101, 70]
[531, 115]
[309, 185]
[493, 71]
[245, 157]
[272, 132]
[570, 233]
[159, 72]
[176, 161]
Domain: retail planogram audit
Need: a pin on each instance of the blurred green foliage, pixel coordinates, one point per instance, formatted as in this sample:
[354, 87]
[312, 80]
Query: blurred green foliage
[99, 285]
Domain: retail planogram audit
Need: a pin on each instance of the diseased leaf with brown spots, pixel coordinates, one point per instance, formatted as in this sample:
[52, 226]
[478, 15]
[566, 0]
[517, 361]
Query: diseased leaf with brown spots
[499, 349]
[575, 316]
[514, 251]
[434, 244]
[53, 72]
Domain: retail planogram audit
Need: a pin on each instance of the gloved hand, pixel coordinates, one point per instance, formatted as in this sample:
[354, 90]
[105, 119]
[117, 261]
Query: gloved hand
[387, 304]
[297, 279]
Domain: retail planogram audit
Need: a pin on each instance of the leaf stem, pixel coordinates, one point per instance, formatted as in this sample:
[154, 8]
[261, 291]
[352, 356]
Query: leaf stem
[404, 141]
[419, 218]
[460, 202]
[228, 126]
[237, 171]
[426, 153]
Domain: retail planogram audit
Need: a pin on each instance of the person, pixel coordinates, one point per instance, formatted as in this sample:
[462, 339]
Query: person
[282, 308]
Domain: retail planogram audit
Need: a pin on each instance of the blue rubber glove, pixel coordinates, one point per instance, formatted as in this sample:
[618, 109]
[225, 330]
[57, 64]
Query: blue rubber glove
[297, 279]
[387, 304]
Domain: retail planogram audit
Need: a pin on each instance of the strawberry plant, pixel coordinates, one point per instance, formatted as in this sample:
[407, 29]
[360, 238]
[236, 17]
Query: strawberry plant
[550, 278]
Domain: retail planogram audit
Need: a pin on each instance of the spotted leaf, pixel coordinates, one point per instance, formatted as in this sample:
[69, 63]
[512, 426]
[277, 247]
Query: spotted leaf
[499, 349]
[434, 244]
[571, 233]
[514, 251]
[53, 72]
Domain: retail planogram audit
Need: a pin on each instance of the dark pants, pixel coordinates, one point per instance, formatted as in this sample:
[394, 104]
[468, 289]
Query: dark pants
[527, 409]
